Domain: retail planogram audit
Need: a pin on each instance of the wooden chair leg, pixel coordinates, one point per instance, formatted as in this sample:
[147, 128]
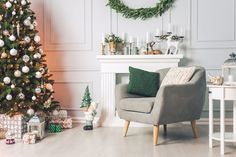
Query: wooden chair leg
[155, 134]
[165, 128]
[194, 128]
[126, 127]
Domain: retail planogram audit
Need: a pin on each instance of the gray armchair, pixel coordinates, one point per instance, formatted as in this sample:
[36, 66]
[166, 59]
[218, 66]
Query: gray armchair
[173, 103]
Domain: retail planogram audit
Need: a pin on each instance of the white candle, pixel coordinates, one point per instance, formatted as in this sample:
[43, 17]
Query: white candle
[158, 32]
[147, 37]
[124, 36]
[103, 38]
[138, 42]
[131, 39]
[230, 78]
[169, 27]
[181, 32]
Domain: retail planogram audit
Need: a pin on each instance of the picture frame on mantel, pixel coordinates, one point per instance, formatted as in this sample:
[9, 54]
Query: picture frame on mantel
[172, 48]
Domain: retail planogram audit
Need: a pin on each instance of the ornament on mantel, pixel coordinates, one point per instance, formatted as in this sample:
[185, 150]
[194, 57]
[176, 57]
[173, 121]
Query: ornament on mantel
[6, 80]
[25, 69]
[1, 43]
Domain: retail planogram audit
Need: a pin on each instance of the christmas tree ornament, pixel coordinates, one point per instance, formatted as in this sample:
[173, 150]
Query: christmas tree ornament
[37, 55]
[6, 80]
[5, 32]
[38, 90]
[1, 43]
[38, 74]
[17, 73]
[27, 39]
[13, 86]
[9, 97]
[4, 55]
[8, 5]
[42, 70]
[30, 112]
[49, 86]
[1, 17]
[37, 38]
[23, 2]
[21, 96]
[35, 23]
[31, 26]
[12, 38]
[31, 48]
[33, 98]
[13, 52]
[13, 13]
[21, 12]
[15, 1]
[27, 22]
[25, 69]
[26, 58]
[18, 29]
[41, 51]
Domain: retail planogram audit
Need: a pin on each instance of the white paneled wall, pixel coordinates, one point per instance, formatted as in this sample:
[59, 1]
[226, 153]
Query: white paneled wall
[71, 31]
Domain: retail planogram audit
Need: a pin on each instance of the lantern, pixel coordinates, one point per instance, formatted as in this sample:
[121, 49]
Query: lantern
[229, 70]
[37, 125]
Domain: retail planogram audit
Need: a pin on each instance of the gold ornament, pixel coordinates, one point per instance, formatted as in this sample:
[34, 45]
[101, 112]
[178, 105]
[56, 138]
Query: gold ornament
[4, 55]
[1, 17]
[31, 48]
[49, 87]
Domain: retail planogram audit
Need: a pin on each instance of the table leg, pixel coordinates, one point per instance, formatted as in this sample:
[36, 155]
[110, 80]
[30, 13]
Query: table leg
[234, 119]
[222, 125]
[210, 120]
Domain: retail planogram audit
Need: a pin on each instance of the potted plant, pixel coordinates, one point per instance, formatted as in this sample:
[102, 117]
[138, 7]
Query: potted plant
[112, 41]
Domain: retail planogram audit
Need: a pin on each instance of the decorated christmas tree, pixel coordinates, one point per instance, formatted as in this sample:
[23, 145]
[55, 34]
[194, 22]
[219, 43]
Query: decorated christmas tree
[24, 79]
[86, 101]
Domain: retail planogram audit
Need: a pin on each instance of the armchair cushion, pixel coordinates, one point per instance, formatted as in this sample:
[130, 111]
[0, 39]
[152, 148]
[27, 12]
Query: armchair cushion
[143, 82]
[141, 105]
[178, 75]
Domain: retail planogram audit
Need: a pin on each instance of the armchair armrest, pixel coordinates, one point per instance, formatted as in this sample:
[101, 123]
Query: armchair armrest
[121, 92]
[177, 103]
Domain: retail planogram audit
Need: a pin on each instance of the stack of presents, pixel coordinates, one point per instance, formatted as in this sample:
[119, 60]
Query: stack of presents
[29, 130]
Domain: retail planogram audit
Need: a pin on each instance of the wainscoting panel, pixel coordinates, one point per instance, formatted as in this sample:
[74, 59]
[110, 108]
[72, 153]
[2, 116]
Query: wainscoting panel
[213, 27]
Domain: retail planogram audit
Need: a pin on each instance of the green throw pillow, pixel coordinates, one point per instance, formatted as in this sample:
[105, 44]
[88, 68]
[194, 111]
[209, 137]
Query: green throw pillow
[143, 82]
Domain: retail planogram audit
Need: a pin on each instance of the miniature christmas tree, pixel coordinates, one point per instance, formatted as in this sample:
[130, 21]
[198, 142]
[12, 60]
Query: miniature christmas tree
[24, 79]
[86, 101]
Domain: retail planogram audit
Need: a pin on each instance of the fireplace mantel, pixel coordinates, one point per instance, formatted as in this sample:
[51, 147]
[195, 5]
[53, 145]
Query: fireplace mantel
[115, 64]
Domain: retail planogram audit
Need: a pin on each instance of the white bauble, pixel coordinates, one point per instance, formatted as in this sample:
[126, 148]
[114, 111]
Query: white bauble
[38, 74]
[33, 97]
[42, 70]
[8, 5]
[25, 69]
[2, 43]
[35, 23]
[38, 90]
[27, 39]
[14, 13]
[5, 32]
[23, 2]
[21, 12]
[13, 52]
[21, 96]
[55, 113]
[6, 80]
[13, 86]
[37, 38]
[12, 38]
[17, 73]
[30, 112]
[9, 97]
[37, 55]
[1, 17]
[31, 27]
[27, 22]
[26, 58]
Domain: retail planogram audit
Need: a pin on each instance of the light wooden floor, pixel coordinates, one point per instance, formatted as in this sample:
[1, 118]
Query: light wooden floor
[108, 142]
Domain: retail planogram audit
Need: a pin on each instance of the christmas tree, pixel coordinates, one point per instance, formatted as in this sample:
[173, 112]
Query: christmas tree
[86, 101]
[24, 79]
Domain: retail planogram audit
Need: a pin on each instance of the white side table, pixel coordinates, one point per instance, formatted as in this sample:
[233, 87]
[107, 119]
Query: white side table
[221, 93]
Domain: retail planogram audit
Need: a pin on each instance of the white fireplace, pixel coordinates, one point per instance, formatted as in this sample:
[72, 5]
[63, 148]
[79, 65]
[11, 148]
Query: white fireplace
[111, 65]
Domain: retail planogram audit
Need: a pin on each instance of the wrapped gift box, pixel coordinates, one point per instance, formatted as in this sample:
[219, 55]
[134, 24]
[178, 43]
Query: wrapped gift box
[16, 124]
[29, 138]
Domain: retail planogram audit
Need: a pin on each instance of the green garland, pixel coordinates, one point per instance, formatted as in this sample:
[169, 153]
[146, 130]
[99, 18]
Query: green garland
[142, 13]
